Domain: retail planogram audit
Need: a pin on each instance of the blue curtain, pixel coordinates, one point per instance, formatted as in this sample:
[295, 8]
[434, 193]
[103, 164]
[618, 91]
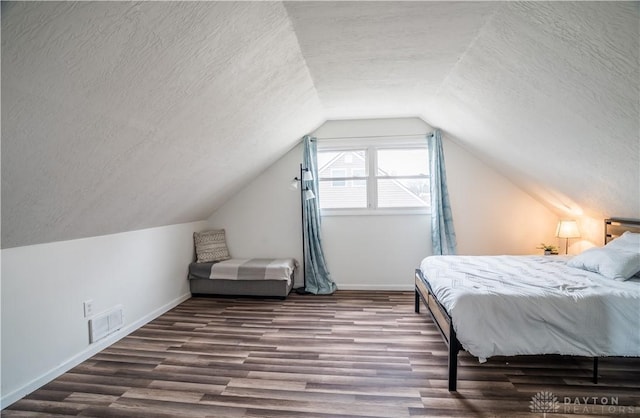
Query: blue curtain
[443, 236]
[318, 279]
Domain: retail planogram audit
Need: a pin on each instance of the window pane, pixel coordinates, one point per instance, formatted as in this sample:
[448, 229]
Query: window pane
[403, 162]
[346, 196]
[331, 163]
[337, 173]
[403, 193]
[359, 173]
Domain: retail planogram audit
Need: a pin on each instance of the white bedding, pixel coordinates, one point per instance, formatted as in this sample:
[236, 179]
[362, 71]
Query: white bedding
[512, 305]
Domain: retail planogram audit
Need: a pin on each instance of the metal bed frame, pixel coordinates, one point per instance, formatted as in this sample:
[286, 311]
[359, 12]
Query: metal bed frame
[423, 292]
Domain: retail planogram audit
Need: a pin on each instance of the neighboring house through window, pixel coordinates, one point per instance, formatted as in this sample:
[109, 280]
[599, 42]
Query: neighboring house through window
[338, 175]
[400, 182]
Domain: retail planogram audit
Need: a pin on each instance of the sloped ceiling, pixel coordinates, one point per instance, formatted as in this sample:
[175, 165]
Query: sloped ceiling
[547, 93]
[121, 116]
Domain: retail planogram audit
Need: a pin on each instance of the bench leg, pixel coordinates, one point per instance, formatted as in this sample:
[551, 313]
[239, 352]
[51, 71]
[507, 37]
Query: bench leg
[417, 302]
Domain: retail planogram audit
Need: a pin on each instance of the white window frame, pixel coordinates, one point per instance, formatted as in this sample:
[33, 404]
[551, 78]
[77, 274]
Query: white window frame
[371, 145]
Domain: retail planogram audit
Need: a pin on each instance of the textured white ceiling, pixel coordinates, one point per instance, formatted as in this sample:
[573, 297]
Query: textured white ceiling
[119, 116]
[376, 59]
[549, 94]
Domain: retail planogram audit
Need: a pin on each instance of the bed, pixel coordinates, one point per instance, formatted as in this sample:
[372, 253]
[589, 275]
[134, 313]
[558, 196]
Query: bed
[265, 277]
[531, 305]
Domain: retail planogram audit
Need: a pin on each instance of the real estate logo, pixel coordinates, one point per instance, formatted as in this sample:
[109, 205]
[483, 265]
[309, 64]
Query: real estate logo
[544, 402]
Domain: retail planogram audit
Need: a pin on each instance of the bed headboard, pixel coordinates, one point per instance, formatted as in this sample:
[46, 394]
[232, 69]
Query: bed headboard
[615, 227]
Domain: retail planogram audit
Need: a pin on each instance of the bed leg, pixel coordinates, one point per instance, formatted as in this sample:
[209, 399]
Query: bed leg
[416, 302]
[595, 370]
[453, 360]
[453, 371]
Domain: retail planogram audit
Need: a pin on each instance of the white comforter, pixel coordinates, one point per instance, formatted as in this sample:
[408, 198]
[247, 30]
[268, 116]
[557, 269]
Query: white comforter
[511, 305]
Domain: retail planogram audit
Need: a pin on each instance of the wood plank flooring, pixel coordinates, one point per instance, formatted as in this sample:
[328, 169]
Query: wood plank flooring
[364, 354]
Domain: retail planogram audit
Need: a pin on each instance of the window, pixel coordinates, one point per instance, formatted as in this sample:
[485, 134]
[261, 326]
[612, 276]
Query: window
[400, 180]
[341, 175]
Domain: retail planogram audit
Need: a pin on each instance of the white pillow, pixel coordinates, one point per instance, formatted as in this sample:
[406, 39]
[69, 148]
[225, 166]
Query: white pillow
[608, 262]
[629, 241]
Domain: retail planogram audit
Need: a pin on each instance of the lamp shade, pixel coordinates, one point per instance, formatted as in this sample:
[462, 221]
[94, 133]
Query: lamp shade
[306, 174]
[567, 229]
[308, 195]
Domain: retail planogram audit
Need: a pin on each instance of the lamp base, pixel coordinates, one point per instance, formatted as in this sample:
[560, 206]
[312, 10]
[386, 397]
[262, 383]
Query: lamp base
[301, 291]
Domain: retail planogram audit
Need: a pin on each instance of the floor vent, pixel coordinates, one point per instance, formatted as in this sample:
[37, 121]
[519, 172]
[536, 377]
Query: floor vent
[105, 324]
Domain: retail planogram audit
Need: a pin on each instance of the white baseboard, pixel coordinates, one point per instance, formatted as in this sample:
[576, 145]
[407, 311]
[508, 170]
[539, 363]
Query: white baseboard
[386, 287]
[85, 354]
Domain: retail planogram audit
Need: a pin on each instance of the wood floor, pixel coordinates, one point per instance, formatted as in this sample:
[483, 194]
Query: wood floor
[363, 354]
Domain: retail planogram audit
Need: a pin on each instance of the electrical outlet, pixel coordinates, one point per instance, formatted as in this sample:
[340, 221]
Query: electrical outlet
[88, 308]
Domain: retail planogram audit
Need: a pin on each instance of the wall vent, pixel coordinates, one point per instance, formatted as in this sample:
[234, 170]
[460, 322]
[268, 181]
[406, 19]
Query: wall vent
[105, 323]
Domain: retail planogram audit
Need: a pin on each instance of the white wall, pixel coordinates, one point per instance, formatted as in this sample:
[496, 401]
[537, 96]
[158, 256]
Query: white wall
[44, 332]
[263, 219]
[492, 216]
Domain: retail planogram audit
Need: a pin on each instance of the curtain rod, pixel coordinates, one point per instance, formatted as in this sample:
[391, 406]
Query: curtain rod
[421, 135]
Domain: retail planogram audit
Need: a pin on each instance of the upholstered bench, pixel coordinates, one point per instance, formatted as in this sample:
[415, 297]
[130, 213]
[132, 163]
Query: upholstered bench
[215, 273]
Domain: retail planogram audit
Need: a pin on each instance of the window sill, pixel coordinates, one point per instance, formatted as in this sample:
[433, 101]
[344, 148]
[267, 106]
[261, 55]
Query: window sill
[375, 212]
